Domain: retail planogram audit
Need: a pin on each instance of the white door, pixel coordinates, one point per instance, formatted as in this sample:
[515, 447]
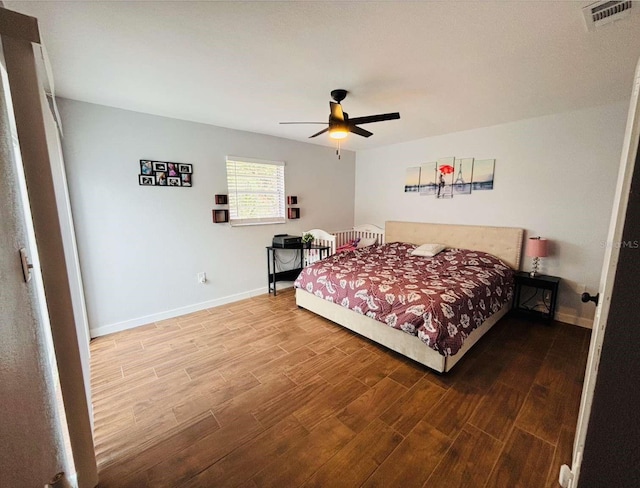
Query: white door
[569, 476]
[69, 243]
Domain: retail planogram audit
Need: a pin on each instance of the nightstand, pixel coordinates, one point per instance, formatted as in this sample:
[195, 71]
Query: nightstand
[535, 296]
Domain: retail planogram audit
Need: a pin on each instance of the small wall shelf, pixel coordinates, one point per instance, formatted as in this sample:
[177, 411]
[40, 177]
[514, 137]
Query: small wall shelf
[293, 212]
[220, 215]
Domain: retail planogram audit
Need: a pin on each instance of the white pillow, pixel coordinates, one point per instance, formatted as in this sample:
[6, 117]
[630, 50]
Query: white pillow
[428, 250]
[366, 242]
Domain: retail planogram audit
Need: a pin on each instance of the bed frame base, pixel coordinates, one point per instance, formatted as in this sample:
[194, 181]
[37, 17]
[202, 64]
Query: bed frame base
[503, 242]
[396, 340]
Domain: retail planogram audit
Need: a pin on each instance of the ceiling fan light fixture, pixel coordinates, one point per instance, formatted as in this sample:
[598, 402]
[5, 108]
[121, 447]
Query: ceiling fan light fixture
[340, 125]
[338, 133]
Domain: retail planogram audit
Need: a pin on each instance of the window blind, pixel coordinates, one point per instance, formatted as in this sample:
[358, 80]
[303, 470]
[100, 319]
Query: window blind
[256, 191]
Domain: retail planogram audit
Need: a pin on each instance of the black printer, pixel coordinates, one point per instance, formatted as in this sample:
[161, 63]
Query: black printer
[285, 240]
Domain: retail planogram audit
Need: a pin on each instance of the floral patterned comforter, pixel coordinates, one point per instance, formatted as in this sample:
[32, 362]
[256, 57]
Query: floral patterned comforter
[440, 299]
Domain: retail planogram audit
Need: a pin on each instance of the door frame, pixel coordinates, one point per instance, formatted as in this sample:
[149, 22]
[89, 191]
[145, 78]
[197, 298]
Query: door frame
[569, 477]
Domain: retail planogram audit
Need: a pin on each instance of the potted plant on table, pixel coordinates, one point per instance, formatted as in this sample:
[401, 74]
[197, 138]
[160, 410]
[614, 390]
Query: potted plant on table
[307, 240]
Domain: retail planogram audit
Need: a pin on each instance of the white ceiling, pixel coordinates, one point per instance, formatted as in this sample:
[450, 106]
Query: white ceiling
[445, 66]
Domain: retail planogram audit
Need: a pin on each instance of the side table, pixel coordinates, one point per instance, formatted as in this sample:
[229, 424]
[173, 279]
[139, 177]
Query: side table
[535, 296]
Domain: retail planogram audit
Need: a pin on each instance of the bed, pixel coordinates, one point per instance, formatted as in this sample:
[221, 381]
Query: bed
[505, 243]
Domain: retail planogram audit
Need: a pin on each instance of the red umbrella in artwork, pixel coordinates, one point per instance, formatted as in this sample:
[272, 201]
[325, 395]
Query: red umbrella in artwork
[446, 169]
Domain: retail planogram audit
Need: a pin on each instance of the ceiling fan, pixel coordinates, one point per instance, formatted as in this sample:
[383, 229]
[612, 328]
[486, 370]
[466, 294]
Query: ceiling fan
[340, 124]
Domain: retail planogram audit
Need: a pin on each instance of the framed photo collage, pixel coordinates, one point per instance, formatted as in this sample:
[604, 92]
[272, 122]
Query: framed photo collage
[164, 173]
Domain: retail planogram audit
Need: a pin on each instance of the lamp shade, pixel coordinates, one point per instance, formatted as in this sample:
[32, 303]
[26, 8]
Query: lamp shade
[537, 247]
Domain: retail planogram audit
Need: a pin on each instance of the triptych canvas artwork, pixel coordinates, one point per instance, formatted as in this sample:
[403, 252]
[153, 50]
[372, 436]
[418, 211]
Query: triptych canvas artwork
[449, 177]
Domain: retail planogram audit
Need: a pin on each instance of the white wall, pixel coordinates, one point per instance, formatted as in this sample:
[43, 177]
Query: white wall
[554, 176]
[141, 247]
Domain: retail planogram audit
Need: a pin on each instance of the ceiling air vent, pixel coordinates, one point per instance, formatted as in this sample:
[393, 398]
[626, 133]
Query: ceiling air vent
[604, 12]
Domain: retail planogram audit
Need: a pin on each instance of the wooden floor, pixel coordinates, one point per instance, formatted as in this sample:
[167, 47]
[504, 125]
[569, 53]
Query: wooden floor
[260, 393]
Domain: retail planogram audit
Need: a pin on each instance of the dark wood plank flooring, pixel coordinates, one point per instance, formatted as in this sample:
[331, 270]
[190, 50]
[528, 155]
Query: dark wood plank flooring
[260, 393]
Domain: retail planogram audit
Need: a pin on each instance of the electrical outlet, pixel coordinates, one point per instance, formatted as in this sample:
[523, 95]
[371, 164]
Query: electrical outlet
[202, 277]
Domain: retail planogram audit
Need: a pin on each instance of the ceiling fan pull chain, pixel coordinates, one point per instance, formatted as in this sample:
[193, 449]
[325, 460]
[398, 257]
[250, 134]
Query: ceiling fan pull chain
[338, 150]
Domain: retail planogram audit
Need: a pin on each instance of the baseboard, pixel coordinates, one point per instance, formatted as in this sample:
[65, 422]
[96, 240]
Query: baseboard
[176, 312]
[567, 318]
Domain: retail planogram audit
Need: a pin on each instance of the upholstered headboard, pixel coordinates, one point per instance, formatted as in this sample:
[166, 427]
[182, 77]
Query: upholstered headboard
[503, 242]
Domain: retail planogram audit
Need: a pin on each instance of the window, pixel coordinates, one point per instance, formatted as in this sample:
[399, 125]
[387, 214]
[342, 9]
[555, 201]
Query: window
[256, 191]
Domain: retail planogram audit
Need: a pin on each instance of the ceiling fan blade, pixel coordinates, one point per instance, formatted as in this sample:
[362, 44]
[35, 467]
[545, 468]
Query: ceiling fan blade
[318, 133]
[360, 131]
[325, 123]
[375, 118]
[336, 111]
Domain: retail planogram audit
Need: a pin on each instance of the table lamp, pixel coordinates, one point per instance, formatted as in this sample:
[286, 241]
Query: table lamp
[537, 248]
